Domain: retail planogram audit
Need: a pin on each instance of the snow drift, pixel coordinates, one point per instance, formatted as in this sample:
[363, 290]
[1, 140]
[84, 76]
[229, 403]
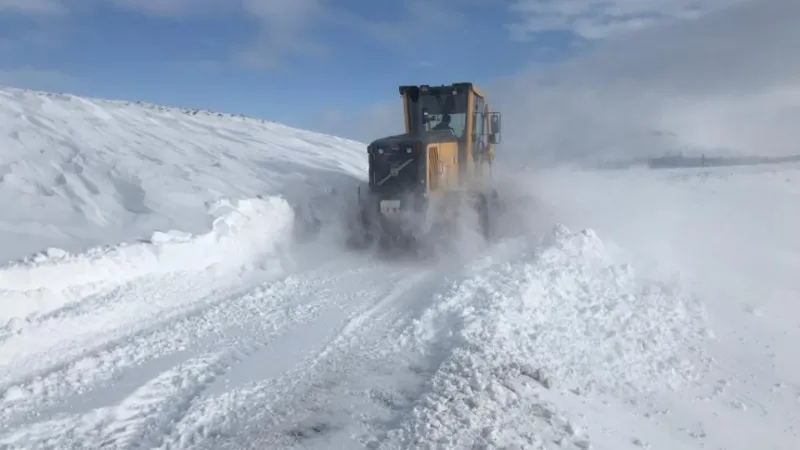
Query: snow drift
[78, 172]
[565, 317]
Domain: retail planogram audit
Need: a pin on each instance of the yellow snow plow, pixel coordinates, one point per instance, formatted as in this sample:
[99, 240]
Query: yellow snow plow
[425, 183]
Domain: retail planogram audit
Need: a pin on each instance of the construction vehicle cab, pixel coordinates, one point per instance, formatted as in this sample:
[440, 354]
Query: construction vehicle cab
[444, 156]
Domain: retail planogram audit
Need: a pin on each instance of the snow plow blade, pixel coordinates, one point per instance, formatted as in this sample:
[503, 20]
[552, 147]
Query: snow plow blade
[425, 228]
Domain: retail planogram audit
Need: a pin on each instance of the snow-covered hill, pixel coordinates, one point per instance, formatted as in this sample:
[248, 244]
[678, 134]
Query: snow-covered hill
[197, 325]
[77, 171]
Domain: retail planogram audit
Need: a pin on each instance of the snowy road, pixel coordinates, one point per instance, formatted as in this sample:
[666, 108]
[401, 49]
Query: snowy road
[203, 355]
[234, 352]
[350, 352]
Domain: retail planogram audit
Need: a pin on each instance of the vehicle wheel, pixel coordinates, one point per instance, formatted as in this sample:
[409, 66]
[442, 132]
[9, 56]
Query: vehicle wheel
[481, 205]
[484, 217]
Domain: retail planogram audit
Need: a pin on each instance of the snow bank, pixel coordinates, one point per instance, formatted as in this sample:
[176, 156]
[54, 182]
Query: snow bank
[243, 232]
[566, 318]
[731, 232]
[77, 172]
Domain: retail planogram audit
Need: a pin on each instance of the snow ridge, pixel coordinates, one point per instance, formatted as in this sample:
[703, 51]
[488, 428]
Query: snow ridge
[244, 232]
[564, 317]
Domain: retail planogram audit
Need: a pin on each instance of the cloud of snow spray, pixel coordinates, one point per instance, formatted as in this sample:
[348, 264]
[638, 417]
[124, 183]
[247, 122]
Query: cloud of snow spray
[720, 84]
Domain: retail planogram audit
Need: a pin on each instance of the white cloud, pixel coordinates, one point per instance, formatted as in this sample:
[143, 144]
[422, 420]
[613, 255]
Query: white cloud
[593, 19]
[417, 20]
[284, 30]
[283, 26]
[287, 26]
[727, 80]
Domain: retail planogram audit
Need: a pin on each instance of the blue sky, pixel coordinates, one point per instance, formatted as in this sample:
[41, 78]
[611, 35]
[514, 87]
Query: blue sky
[293, 60]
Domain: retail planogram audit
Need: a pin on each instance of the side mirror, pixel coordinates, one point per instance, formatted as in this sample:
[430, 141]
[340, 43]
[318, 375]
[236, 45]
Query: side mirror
[494, 127]
[494, 122]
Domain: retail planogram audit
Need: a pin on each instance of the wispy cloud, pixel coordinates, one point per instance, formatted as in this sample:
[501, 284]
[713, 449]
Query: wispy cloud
[35, 7]
[420, 18]
[282, 29]
[172, 8]
[593, 19]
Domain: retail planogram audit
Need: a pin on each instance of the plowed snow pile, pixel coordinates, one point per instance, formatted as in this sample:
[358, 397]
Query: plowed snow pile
[564, 317]
[245, 232]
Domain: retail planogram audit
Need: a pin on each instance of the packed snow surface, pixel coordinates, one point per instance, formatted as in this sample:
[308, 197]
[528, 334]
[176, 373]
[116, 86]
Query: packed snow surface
[161, 289]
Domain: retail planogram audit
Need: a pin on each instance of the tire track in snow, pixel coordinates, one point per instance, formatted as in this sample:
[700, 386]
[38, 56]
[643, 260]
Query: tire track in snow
[231, 415]
[134, 309]
[350, 331]
[105, 321]
[264, 312]
[137, 420]
[142, 418]
[159, 405]
[64, 370]
[349, 383]
[370, 378]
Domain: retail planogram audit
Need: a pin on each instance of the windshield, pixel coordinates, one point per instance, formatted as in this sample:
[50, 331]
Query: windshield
[445, 111]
